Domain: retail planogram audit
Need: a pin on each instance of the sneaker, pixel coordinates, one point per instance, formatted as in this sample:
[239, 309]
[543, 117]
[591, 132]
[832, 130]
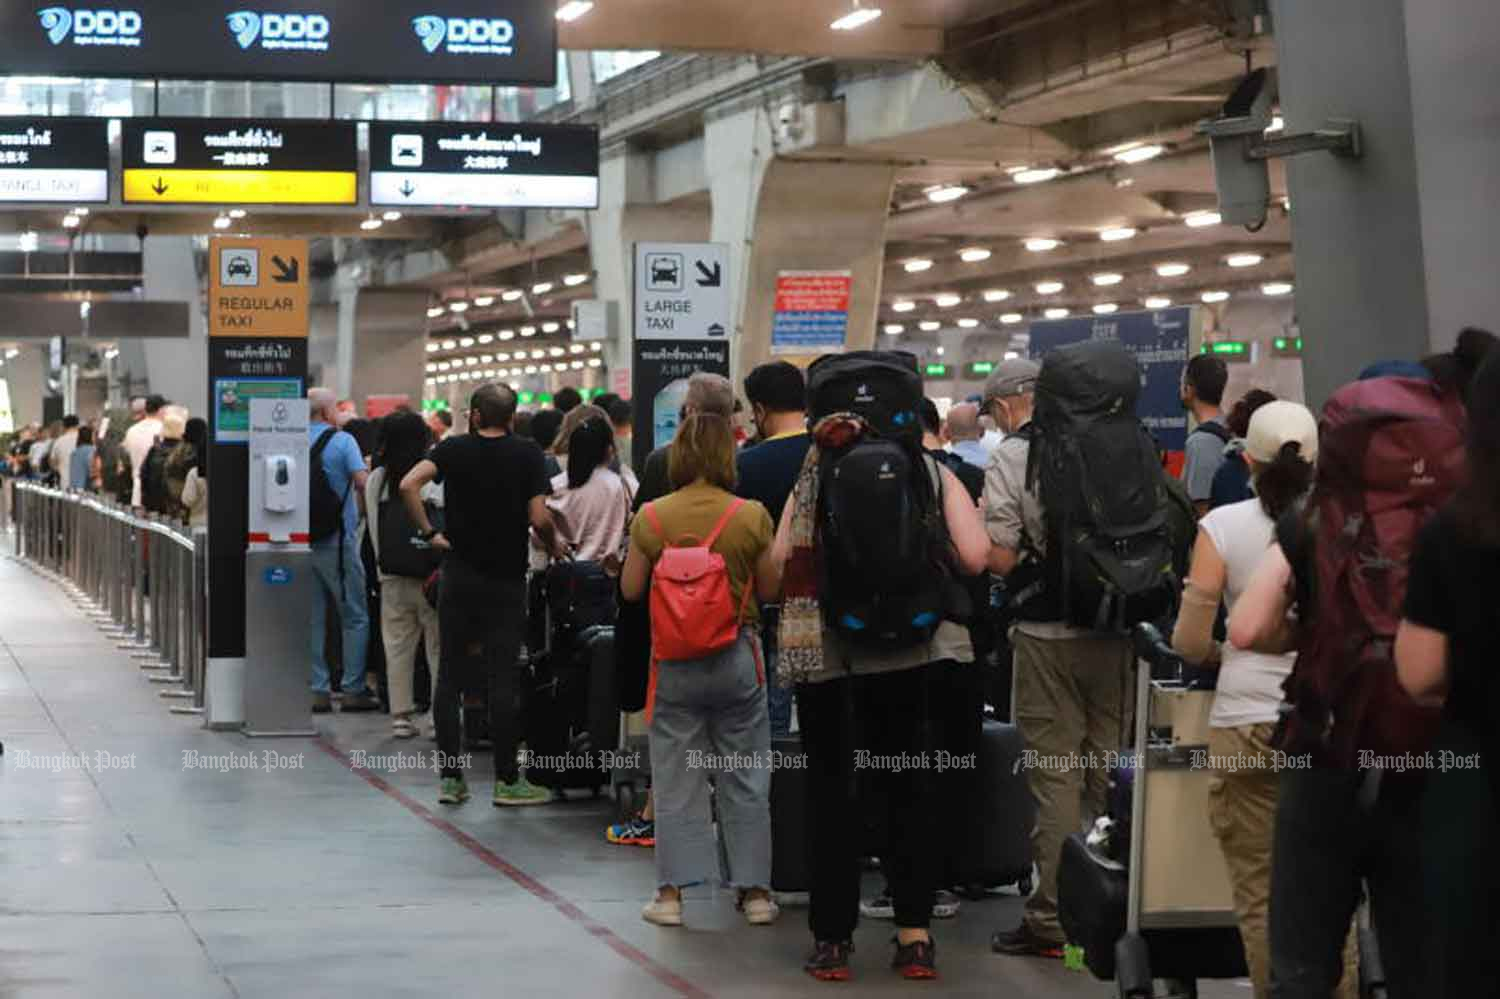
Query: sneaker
[453, 791]
[404, 728]
[663, 911]
[1023, 942]
[830, 961]
[359, 703]
[759, 909]
[633, 832]
[879, 907]
[520, 792]
[944, 904]
[916, 960]
[322, 704]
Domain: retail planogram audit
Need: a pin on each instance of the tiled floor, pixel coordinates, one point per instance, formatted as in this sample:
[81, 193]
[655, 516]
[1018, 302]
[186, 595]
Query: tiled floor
[161, 880]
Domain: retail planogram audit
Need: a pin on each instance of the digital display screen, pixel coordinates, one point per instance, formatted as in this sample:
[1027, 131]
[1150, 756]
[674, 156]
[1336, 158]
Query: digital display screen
[484, 165]
[485, 42]
[238, 161]
[54, 159]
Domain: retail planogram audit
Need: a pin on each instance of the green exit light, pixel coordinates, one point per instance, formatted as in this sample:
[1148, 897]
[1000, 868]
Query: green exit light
[1227, 348]
[983, 367]
[434, 405]
[1288, 346]
[936, 371]
[526, 398]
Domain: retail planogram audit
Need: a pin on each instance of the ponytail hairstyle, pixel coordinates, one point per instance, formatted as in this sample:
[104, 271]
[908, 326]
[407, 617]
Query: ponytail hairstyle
[1281, 484]
[589, 446]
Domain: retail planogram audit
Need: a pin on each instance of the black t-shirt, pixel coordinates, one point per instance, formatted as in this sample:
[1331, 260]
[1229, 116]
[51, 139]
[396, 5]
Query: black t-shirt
[488, 485]
[1454, 587]
[768, 471]
[653, 478]
[971, 476]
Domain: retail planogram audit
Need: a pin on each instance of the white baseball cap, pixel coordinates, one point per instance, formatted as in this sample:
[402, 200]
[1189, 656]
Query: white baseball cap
[1277, 424]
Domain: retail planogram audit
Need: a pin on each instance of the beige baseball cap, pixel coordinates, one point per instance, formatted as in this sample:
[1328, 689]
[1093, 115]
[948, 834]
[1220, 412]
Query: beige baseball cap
[1011, 378]
[1277, 424]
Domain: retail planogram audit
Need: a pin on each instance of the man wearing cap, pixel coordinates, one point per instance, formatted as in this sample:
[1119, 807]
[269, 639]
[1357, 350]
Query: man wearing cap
[1070, 692]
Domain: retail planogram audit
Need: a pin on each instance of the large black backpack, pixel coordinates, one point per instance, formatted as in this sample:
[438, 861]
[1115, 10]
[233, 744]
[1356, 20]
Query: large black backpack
[1118, 538]
[402, 552]
[325, 517]
[155, 495]
[885, 577]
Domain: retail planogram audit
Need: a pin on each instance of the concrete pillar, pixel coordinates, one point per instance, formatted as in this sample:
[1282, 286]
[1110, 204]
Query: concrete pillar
[1390, 259]
[780, 214]
[26, 377]
[389, 348]
[177, 368]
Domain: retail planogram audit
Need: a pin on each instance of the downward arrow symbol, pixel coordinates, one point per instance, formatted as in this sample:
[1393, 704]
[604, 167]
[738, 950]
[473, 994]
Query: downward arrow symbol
[159, 187]
[407, 189]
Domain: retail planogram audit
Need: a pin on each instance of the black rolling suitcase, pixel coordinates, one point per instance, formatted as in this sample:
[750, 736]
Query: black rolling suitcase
[1004, 811]
[790, 844]
[570, 718]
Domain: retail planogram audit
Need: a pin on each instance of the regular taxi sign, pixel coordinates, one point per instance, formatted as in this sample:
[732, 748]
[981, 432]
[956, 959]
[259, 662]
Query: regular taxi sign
[258, 287]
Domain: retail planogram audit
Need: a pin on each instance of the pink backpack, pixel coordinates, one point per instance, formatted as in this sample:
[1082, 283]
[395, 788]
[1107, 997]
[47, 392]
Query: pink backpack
[693, 613]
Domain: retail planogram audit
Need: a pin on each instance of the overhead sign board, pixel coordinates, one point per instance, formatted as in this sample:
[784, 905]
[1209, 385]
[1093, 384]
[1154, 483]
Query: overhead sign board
[812, 312]
[54, 159]
[230, 161]
[489, 166]
[682, 291]
[258, 288]
[487, 42]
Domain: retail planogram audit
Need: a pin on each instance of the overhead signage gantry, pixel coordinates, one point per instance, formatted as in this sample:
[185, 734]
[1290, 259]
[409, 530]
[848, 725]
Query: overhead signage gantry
[171, 161]
[484, 165]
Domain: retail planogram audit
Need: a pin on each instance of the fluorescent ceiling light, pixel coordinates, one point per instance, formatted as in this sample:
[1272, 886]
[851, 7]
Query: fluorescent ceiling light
[917, 265]
[1158, 302]
[537, 355]
[1041, 244]
[1215, 296]
[856, 18]
[1243, 259]
[1011, 355]
[80, 211]
[1056, 313]
[1107, 278]
[432, 347]
[487, 359]
[221, 222]
[574, 9]
[1275, 288]
[371, 224]
[1198, 220]
[1172, 269]
[892, 329]
[947, 300]
[458, 306]
[596, 346]
[1011, 318]
[542, 288]
[467, 341]
[528, 331]
[946, 192]
[237, 213]
[903, 306]
[556, 352]
[435, 311]
[929, 325]
[576, 348]
[941, 351]
[1035, 176]
[551, 327]
[450, 344]
[576, 365]
[974, 255]
[1116, 235]
[512, 295]
[1105, 308]
[391, 216]
[1140, 153]
[574, 280]
[507, 334]
[996, 295]
[1048, 287]
[595, 362]
[968, 324]
[71, 221]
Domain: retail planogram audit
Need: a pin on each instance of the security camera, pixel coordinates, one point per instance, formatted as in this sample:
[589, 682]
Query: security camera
[1243, 182]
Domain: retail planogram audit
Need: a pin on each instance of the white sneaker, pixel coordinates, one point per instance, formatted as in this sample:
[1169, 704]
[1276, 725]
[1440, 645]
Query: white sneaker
[663, 911]
[759, 910]
[403, 728]
[944, 904]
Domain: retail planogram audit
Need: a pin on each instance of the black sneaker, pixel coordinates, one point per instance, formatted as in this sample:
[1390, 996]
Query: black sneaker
[1022, 942]
[322, 704]
[359, 703]
[830, 961]
[916, 961]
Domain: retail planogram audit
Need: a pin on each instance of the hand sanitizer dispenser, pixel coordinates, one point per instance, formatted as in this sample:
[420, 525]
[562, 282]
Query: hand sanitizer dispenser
[280, 480]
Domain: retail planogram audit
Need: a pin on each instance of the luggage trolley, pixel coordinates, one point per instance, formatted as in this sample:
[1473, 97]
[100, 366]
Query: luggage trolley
[1180, 921]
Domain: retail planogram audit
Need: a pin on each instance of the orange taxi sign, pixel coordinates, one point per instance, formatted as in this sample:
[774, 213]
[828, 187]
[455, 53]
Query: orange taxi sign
[258, 287]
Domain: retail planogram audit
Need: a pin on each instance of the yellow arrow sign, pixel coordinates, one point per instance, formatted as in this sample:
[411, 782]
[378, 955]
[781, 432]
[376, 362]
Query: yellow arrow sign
[258, 287]
[245, 187]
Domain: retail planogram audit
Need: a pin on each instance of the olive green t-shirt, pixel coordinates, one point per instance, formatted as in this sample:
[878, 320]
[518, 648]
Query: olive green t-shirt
[688, 517]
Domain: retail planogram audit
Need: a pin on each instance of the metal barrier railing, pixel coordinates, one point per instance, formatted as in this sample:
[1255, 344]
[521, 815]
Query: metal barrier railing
[140, 578]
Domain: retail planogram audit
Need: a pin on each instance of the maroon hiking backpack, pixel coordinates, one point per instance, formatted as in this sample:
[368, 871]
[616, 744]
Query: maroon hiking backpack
[1391, 453]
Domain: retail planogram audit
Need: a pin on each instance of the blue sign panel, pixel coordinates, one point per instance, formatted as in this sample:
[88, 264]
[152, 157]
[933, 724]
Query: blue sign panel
[1159, 341]
[278, 575]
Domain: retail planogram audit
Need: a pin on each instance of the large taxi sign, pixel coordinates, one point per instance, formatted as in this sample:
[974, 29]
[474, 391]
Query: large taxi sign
[219, 161]
[258, 287]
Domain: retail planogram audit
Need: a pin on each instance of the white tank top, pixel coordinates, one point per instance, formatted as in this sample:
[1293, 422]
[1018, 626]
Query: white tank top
[1249, 682]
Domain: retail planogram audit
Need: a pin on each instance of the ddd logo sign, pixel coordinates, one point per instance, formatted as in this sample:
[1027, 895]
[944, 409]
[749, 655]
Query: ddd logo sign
[466, 35]
[91, 26]
[304, 32]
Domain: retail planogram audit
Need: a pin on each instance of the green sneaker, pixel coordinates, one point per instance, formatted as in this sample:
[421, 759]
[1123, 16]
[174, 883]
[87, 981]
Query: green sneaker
[453, 791]
[520, 792]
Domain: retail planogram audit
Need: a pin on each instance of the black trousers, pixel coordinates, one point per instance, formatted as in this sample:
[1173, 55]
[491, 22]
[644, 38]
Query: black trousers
[875, 732]
[482, 620]
[1326, 842]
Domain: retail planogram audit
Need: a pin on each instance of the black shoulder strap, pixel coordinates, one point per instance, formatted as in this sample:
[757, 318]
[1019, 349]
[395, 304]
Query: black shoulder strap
[1214, 430]
[322, 443]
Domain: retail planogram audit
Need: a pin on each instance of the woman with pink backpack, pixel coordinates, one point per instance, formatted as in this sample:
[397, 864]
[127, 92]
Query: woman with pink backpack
[705, 557]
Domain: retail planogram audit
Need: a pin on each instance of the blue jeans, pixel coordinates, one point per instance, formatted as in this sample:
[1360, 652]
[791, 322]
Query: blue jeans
[778, 698]
[347, 587]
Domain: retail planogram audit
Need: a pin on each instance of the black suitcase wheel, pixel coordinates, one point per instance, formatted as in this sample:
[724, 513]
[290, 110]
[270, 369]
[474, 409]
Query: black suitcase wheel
[1133, 968]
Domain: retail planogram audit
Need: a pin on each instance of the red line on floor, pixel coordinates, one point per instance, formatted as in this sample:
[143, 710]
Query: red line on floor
[629, 952]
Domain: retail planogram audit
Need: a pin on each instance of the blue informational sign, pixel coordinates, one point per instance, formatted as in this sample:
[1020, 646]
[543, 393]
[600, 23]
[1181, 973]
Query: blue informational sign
[812, 312]
[1159, 340]
[278, 575]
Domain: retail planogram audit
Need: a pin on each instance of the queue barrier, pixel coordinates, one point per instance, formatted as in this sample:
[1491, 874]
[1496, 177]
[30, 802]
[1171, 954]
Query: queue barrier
[143, 580]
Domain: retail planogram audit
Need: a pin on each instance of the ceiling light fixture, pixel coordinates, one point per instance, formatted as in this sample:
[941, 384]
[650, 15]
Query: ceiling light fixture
[1041, 244]
[595, 362]
[574, 280]
[1106, 308]
[1107, 278]
[1011, 318]
[1172, 269]
[968, 324]
[596, 346]
[512, 295]
[1215, 296]
[1277, 124]
[1118, 234]
[223, 222]
[1056, 313]
[528, 331]
[1243, 259]
[574, 9]
[551, 327]
[1276, 288]
[1199, 220]
[507, 334]
[996, 295]
[435, 312]
[943, 193]
[542, 288]
[1158, 302]
[392, 216]
[71, 221]
[891, 329]
[929, 326]
[576, 348]
[857, 17]
[466, 342]
[371, 224]
[484, 301]
[974, 255]
[458, 307]
[432, 347]
[947, 300]
[1048, 287]
[1139, 153]
[903, 306]
[450, 344]
[917, 265]
[1035, 176]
